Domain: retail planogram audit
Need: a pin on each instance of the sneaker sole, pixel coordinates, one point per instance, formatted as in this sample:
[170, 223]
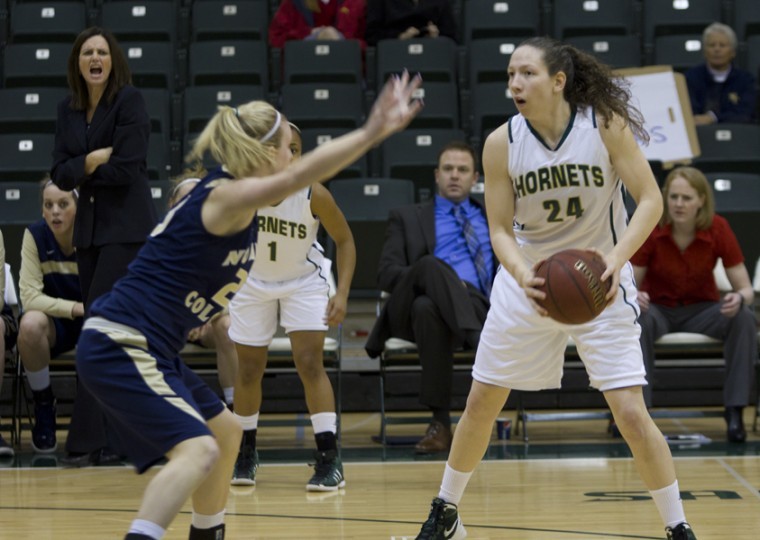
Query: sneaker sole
[314, 487]
[45, 450]
[242, 482]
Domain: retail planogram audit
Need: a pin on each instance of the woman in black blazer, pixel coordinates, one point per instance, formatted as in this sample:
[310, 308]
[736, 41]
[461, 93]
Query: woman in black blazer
[101, 144]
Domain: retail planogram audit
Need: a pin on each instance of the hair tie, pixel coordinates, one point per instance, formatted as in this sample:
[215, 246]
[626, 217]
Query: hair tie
[237, 113]
[275, 127]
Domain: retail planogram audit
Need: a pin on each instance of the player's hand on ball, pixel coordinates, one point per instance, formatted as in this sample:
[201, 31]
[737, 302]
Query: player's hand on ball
[530, 283]
[612, 272]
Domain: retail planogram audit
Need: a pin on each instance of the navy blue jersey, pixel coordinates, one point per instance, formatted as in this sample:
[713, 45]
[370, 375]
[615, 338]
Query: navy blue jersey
[182, 276]
[59, 276]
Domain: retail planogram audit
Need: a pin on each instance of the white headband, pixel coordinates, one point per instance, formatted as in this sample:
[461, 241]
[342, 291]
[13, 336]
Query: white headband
[51, 183]
[275, 127]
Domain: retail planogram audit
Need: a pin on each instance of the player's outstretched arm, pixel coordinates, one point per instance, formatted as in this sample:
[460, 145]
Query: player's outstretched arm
[392, 111]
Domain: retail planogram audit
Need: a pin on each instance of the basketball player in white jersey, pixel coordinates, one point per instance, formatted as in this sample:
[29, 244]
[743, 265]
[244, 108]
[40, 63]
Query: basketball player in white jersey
[554, 175]
[289, 281]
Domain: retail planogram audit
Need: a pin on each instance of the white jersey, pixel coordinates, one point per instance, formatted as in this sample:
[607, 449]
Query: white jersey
[569, 197]
[287, 247]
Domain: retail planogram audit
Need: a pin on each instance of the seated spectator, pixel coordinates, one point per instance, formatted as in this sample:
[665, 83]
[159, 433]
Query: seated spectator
[404, 19]
[51, 297]
[440, 281]
[213, 334]
[678, 293]
[317, 19]
[719, 91]
[8, 332]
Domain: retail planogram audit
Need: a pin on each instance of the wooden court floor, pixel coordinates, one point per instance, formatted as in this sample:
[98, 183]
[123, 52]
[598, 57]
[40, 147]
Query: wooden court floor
[571, 482]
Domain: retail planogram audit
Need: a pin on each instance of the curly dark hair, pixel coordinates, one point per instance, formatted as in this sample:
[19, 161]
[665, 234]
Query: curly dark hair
[590, 83]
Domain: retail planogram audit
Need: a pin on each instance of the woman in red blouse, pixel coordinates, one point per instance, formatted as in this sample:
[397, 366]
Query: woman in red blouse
[318, 19]
[678, 293]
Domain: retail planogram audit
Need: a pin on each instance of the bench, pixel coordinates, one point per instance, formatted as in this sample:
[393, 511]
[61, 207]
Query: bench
[202, 361]
[674, 352]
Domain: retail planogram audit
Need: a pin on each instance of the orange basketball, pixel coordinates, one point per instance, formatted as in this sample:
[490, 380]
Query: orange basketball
[575, 293]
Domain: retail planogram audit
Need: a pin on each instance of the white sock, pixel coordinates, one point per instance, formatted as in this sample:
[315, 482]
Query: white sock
[202, 521]
[249, 422]
[148, 528]
[669, 504]
[229, 393]
[38, 380]
[453, 485]
[324, 421]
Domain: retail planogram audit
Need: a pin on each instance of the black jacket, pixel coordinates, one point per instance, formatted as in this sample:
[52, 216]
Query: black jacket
[115, 203]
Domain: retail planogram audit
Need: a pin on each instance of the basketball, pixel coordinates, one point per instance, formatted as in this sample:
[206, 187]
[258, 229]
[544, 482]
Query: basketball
[575, 293]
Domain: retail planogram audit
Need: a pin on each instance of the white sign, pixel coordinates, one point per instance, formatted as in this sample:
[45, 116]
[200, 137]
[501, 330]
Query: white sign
[662, 97]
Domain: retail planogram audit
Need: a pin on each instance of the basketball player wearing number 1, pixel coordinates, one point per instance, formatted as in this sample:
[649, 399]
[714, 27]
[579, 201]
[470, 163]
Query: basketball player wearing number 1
[554, 175]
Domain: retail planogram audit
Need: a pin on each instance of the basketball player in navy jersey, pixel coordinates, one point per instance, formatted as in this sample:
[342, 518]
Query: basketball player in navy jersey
[192, 264]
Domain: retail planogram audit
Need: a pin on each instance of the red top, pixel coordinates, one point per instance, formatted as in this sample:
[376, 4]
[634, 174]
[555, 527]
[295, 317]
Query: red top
[674, 278]
[294, 21]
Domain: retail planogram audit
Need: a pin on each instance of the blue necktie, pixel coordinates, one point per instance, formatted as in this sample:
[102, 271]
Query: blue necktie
[473, 246]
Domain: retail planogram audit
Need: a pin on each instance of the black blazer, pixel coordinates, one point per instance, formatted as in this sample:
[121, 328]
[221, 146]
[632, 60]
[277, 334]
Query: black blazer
[409, 237]
[115, 204]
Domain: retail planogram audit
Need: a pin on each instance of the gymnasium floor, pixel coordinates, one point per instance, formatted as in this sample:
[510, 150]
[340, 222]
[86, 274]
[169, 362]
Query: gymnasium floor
[572, 481]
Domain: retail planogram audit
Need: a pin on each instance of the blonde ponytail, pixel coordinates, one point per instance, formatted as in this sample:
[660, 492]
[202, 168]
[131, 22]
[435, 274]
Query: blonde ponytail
[234, 136]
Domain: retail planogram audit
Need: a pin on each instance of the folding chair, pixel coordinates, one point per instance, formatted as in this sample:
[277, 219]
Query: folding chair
[46, 22]
[401, 357]
[238, 62]
[746, 19]
[681, 51]
[160, 192]
[441, 110]
[158, 160]
[12, 366]
[365, 203]
[674, 17]
[488, 60]
[500, 18]
[413, 155]
[152, 64]
[241, 19]
[141, 20]
[583, 18]
[313, 137]
[615, 51]
[729, 148]
[753, 55]
[159, 105]
[434, 59]
[26, 156]
[20, 203]
[29, 110]
[313, 61]
[317, 105]
[491, 105]
[737, 198]
[35, 64]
